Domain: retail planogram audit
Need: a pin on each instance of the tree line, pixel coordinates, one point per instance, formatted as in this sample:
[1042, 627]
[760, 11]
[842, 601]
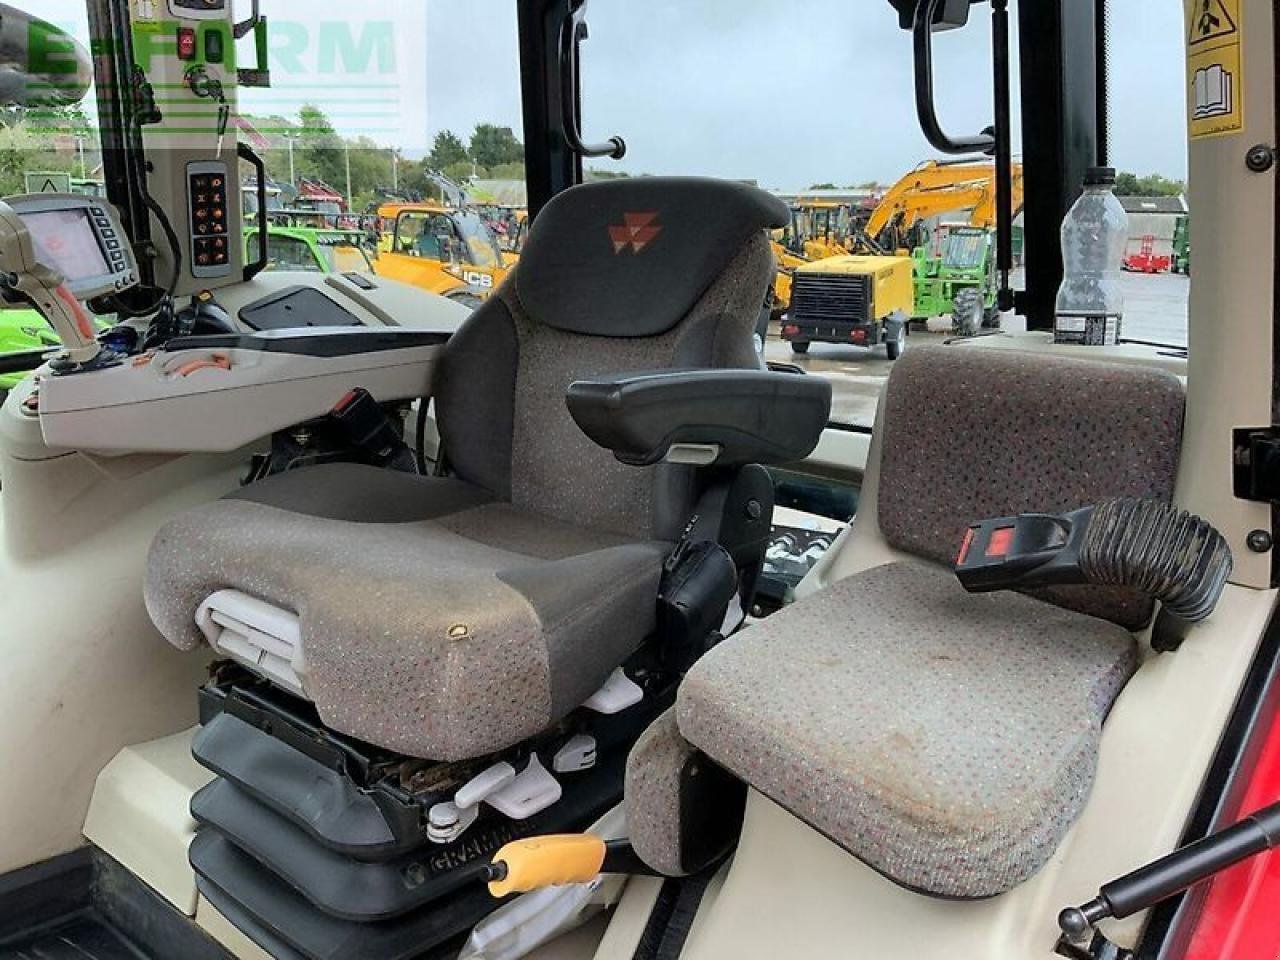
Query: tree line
[319, 152]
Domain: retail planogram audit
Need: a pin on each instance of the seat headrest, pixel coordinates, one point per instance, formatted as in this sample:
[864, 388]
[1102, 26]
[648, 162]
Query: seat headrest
[630, 258]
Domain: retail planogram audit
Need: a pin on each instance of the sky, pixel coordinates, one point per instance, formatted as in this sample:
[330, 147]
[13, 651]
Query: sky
[784, 92]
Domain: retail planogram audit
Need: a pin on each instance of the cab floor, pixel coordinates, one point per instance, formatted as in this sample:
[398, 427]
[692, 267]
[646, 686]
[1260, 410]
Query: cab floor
[83, 937]
[84, 905]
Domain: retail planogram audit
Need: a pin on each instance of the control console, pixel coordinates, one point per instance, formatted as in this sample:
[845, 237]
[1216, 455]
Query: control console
[81, 239]
[57, 250]
[210, 222]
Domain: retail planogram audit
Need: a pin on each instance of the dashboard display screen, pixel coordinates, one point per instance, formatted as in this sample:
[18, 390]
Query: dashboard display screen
[66, 241]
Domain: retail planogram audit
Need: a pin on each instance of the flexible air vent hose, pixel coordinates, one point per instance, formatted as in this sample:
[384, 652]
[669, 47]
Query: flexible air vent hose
[1159, 550]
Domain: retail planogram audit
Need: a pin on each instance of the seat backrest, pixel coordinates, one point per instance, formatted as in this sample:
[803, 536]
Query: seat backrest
[625, 275]
[973, 433]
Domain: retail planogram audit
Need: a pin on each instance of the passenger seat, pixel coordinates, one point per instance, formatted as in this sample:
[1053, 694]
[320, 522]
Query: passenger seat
[946, 739]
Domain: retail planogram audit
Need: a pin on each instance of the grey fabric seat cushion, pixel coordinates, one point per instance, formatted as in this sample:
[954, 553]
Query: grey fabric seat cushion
[971, 434]
[683, 811]
[434, 621]
[946, 739]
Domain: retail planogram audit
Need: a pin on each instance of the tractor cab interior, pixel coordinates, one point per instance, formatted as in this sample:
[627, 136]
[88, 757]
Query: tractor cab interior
[403, 624]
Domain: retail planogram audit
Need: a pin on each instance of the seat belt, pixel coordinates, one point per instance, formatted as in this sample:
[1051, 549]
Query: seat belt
[672, 916]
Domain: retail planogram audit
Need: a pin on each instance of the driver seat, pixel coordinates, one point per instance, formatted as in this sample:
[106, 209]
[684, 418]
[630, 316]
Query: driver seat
[448, 617]
[427, 666]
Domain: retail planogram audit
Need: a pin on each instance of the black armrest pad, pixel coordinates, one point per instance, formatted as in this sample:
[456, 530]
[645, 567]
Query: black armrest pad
[754, 416]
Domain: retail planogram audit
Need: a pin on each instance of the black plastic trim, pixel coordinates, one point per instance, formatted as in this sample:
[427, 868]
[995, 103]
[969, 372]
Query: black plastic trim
[295, 307]
[314, 342]
[363, 891]
[24, 360]
[320, 800]
[550, 164]
[45, 892]
[87, 905]
[268, 910]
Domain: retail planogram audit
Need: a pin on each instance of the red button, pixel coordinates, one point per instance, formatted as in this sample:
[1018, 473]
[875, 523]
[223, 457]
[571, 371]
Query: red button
[186, 43]
[1000, 543]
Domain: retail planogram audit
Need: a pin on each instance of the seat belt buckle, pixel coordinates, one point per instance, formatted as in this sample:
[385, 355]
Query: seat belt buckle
[368, 428]
[1029, 550]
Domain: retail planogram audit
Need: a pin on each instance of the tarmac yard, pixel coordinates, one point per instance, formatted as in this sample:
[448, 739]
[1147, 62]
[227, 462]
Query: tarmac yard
[1155, 311]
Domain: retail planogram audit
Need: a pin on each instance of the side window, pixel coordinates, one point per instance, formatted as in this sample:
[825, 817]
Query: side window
[290, 253]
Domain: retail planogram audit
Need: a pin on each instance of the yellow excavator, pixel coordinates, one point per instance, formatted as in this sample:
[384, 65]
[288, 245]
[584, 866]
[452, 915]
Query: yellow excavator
[932, 189]
[869, 295]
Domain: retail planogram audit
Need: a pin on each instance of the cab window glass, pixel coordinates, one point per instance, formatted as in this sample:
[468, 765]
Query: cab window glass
[482, 247]
[345, 258]
[288, 253]
[732, 100]
[964, 249]
[426, 235]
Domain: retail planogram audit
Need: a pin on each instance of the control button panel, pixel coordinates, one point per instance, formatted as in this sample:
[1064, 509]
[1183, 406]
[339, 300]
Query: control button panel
[210, 233]
[112, 244]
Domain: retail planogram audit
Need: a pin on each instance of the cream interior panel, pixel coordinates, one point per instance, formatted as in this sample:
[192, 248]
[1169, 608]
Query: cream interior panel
[85, 673]
[141, 814]
[1232, 289]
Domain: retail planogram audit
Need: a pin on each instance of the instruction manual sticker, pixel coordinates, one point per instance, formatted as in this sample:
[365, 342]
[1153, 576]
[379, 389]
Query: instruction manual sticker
[1215, 94]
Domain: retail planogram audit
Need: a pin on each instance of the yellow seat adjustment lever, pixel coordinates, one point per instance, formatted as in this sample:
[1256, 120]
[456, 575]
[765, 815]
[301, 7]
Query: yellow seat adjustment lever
[538, 862]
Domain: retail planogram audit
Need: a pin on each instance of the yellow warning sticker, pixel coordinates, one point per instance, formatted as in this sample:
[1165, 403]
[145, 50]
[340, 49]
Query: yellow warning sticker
[1215, 68]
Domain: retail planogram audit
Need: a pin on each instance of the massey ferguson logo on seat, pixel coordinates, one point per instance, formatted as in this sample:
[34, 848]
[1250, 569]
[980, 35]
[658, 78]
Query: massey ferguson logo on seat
[636, 232]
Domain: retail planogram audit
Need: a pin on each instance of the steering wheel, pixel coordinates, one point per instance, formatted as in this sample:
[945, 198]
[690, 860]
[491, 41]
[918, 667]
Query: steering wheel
[65, 66]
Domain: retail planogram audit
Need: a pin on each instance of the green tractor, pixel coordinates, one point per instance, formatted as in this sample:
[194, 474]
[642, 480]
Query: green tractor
[22, 330]
[957, 278]
[311, 249]
[1182, 246]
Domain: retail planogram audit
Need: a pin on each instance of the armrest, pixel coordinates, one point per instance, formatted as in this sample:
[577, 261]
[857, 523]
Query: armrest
[726, 417]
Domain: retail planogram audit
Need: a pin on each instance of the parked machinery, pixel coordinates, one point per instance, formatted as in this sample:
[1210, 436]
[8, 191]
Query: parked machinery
[868, 296]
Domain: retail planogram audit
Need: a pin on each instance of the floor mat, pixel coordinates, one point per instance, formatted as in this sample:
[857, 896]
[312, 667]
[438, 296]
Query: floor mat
[85, 937]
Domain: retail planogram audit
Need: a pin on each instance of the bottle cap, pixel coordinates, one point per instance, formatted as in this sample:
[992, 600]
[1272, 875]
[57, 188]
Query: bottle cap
[1099, 176]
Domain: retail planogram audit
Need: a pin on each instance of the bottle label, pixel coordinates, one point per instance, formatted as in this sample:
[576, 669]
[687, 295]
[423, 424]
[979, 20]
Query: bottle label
[1087, 329]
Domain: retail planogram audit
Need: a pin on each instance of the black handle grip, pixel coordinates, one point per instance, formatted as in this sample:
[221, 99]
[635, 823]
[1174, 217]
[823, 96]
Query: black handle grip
[246, 153]
[922, 33]
[571, 35]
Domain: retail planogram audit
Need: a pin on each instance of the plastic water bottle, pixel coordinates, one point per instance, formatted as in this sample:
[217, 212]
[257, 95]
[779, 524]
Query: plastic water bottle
[1094, 234]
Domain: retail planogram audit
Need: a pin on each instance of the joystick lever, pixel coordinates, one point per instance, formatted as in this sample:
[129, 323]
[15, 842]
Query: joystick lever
[22, 273]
